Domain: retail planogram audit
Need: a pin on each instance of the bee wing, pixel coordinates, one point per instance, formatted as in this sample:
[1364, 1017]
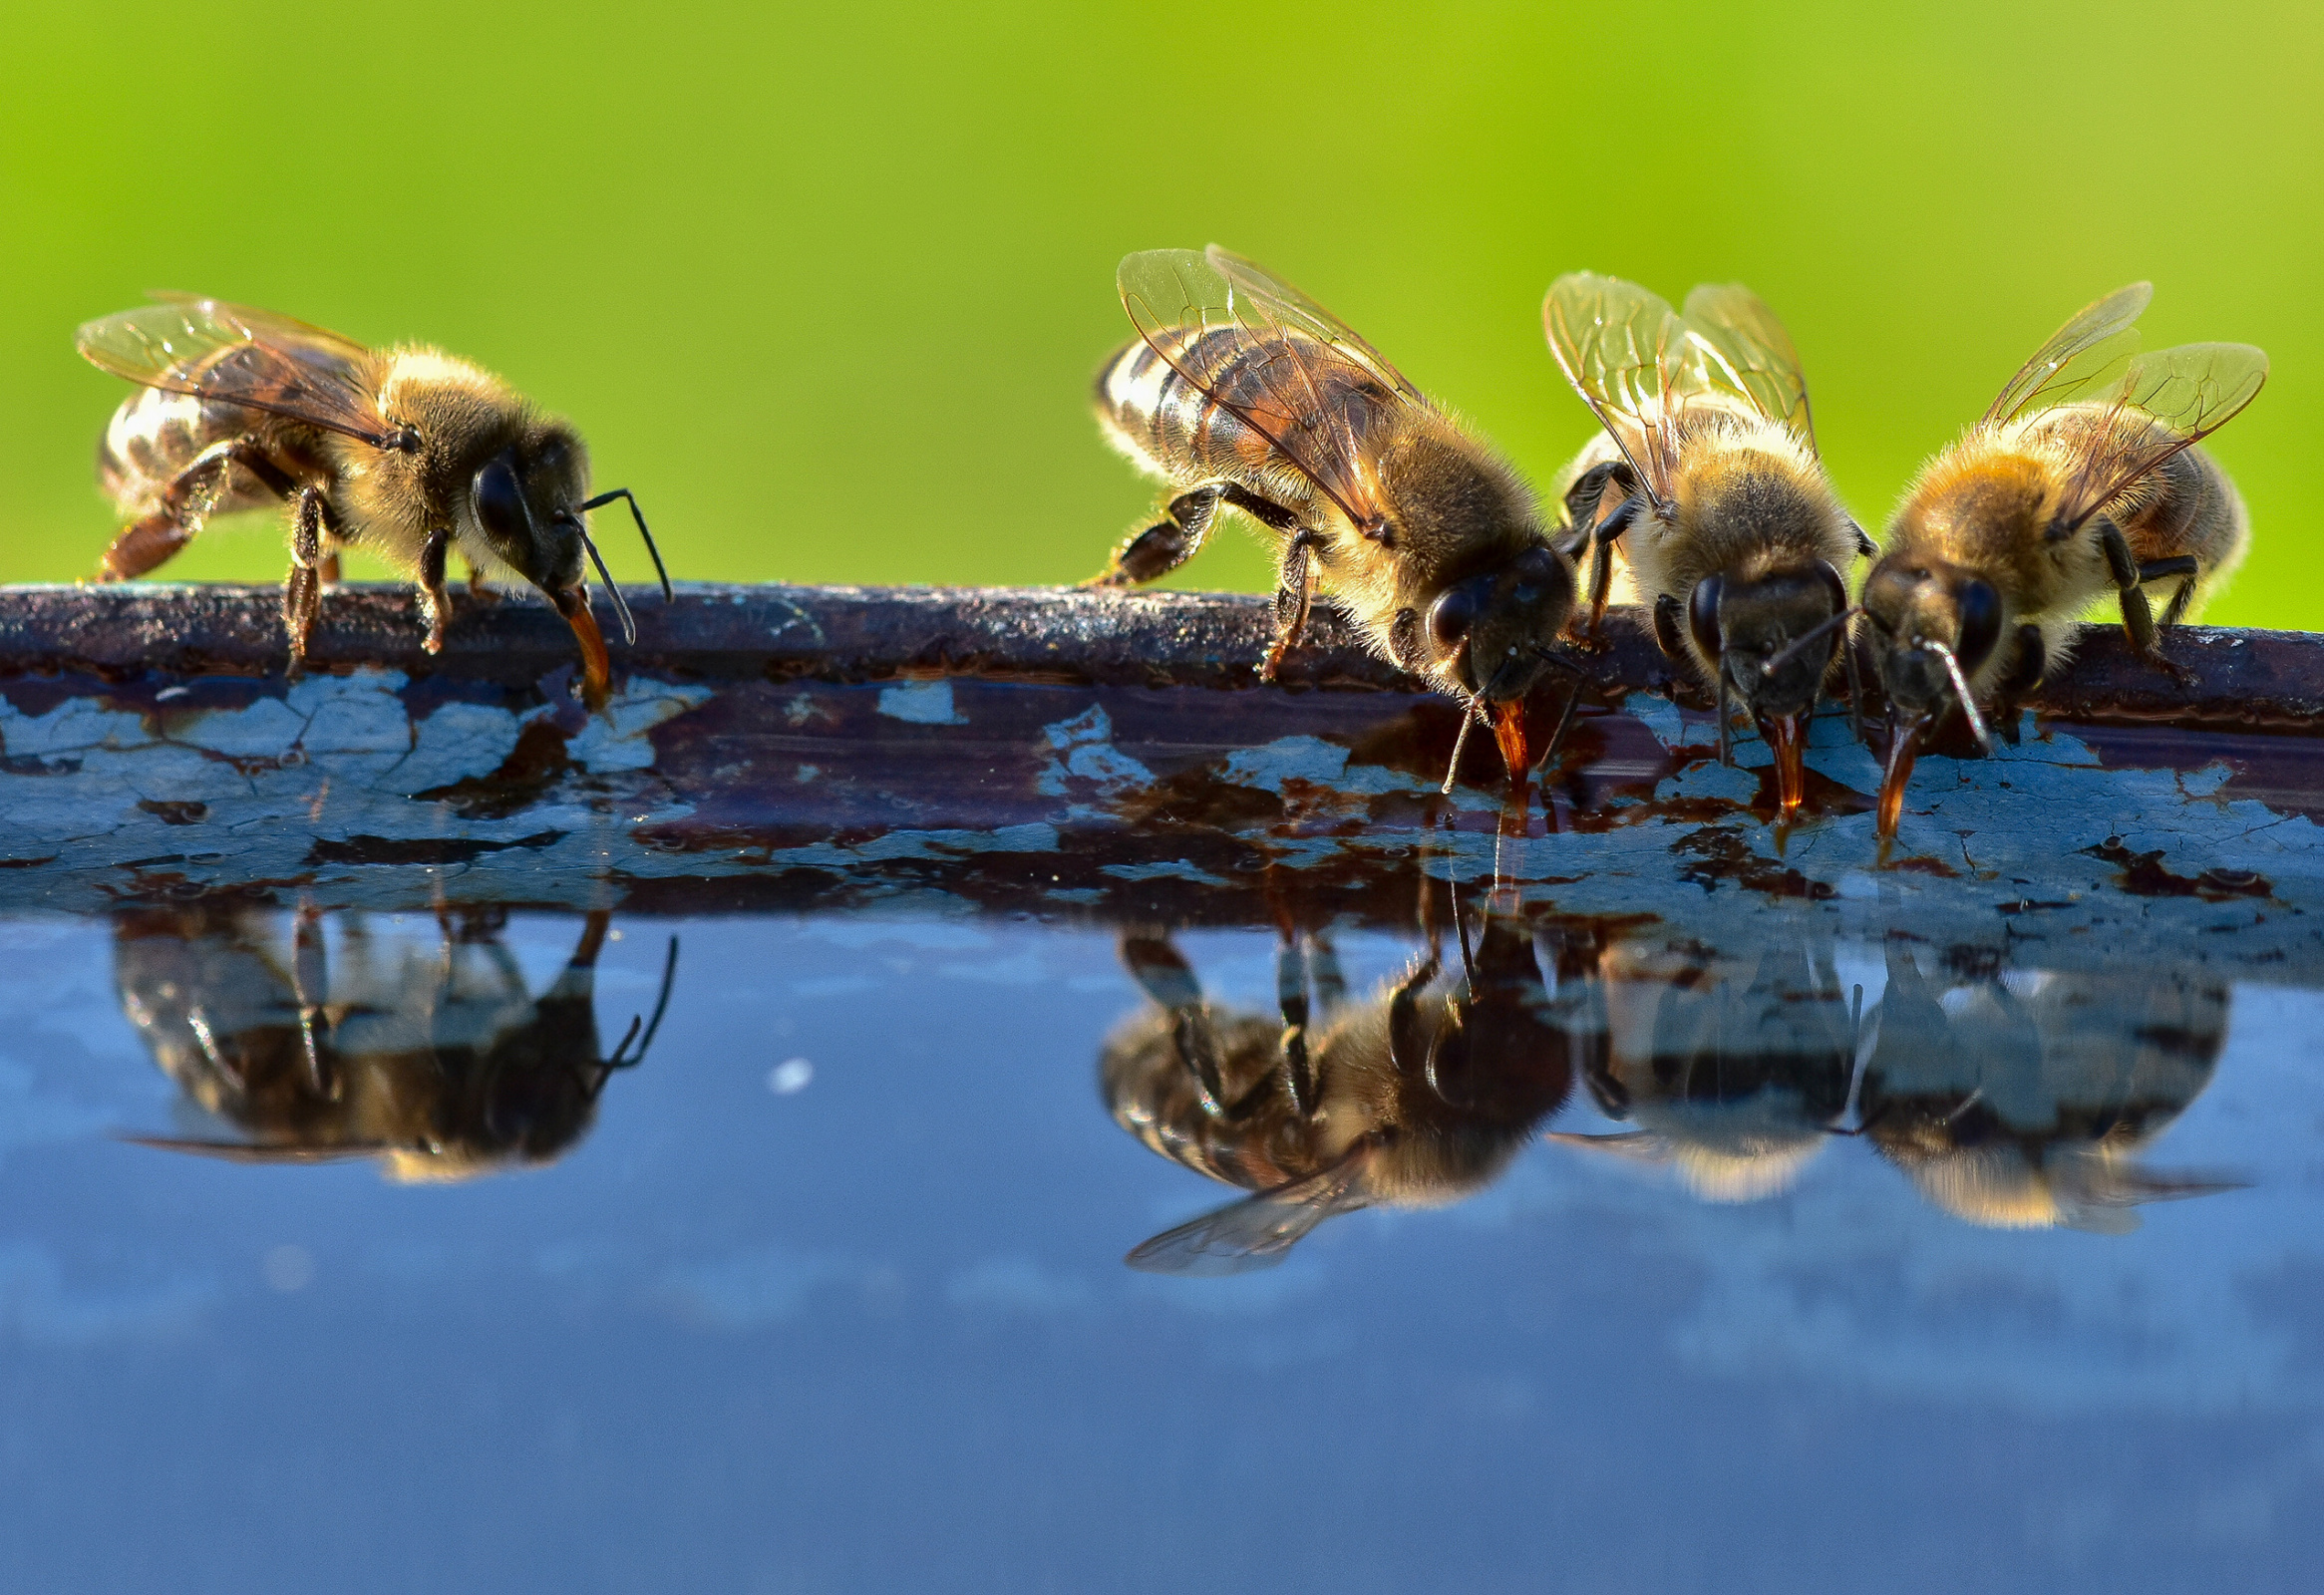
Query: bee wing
[1748, 351]
[1624, 350]
[240, 356]
[1286, 307]
[1177, 297]
[2078, 358]
[243, 1152]
[1258, 1231]
[2192, 390]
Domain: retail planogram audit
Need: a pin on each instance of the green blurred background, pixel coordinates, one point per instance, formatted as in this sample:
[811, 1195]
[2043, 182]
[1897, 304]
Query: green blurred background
[827, 285]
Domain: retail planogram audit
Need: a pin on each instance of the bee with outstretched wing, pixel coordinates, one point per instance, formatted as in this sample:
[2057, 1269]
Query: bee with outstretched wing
[408, 453]
[1414, 1097]
[1706, 480]
[1244, 394]
[2082, 480]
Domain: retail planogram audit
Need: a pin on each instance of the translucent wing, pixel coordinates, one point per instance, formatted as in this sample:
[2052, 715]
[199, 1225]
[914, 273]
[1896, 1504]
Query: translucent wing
[1623, 347]
[1286, 307]
[1289, 371]
[240, 356]
[2163, 400]
[1748, 350]
[242, 1152]
[2081, 358]
[1258, 1231]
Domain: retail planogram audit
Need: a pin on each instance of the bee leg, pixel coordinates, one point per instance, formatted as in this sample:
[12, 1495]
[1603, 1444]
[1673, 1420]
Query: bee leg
[1601, 559]
[142, 545]
[2176, 609]
[435, 602]
[1292, 998]
[1163, 972]
[1587, 497]
[327, 568]
[1167, 544]
[2137, 617]
[1669, 615]
[1408, 1048]
[302, 588]
[310, 979]
[478, 591]
[1864, 544]
[2187, 565]
[1293, 600]
[151, 539]
[2025, 673]
[1324, 974]
[1404, 641]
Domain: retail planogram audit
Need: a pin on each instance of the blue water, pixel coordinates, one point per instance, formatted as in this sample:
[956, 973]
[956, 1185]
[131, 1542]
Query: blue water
[829, 1297]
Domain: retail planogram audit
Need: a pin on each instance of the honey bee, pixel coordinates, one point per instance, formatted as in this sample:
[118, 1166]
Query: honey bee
[2023, 1101]
[2081, 480]
[1731, 530]
[1244, 394]
[436, 1062]
[408, 453]
[1735, 1073]
[1416, 1097]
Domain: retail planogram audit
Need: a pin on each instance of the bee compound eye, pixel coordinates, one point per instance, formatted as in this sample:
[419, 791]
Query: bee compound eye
[1980, 608]
[1451, 617]
[500, 502]
[1703, 615]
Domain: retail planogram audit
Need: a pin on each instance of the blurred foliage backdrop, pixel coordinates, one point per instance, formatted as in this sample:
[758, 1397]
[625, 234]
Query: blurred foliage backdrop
[826, 285]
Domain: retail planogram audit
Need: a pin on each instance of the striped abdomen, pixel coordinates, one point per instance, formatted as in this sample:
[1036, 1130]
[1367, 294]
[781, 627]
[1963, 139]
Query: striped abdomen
[2185, 506]
[1297, 389]
[154, 436]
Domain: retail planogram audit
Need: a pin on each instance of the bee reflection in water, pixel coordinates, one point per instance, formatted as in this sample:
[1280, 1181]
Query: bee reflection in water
[1414, 1097]
[2023, 1099]
[430, 1056]
[1734, 1072]
[2010, 1098]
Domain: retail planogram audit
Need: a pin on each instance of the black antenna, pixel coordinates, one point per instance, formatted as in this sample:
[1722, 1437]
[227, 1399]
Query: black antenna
[620, 604]
[1799, 643]
[1961, 690]
[638, 515]
[661, 1003]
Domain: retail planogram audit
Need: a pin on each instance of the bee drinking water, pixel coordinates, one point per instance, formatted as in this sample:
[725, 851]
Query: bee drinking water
[408, 453]
[1244, 394]
[2082, 480]
[1733, 533]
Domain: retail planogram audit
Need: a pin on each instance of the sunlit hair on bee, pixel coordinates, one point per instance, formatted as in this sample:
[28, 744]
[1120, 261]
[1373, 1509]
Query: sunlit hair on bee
[1244, 395]
[1707, 482]
[2080, 482]
[406, 453]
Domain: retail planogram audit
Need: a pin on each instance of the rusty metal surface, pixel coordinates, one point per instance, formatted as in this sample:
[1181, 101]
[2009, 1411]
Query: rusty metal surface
[2225, 678]
[1091, 755]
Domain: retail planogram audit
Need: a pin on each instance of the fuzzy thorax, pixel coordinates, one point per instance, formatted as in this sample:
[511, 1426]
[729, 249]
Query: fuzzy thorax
[464, 416]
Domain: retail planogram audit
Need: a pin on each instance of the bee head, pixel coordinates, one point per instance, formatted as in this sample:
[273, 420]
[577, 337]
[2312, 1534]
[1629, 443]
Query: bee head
[1919, 610]
[1486, 632]
[1744, 624]
[527, 501]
